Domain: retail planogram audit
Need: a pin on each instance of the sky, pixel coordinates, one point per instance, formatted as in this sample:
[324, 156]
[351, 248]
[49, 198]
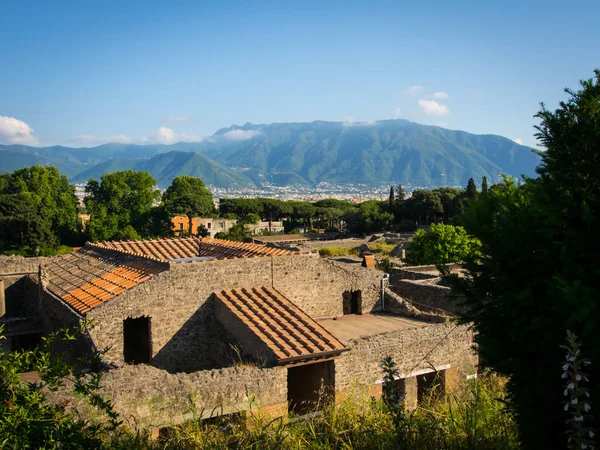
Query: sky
[84, 73]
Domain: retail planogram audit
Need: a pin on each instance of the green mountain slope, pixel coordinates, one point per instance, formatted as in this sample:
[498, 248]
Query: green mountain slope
[386, 151]
[383, 152]
[166, 166]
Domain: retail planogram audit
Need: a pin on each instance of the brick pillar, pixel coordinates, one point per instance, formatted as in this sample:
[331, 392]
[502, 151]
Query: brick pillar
[2, 299]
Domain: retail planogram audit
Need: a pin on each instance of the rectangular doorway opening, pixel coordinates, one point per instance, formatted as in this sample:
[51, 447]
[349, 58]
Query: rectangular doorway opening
[137, 340]
[352, 302]
[310, 387]
[431, 386]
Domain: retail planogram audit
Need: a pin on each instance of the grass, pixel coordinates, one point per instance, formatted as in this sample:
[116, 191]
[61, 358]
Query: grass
[381, 249]
[474, 417]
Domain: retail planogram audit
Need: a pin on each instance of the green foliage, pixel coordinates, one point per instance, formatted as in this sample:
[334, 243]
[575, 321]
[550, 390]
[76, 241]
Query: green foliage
[239, 232]
[188, 196]
[471, 191]
[120, 199]
[539, 275]
[442, 244]
[484, 185]
[407, 225]
[245, 209]
[29, 420]
[38, 210]
[273, 209]
[128, 233]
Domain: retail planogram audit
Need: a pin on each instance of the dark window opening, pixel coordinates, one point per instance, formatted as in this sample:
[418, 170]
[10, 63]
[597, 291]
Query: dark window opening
[352, 302]
[310, 387]
[137, 340]
[181, 226]
[431, 386]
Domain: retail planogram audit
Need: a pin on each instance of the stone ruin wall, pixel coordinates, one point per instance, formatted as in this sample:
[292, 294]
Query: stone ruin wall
[147, 397]
[422, 348]
[185, 333]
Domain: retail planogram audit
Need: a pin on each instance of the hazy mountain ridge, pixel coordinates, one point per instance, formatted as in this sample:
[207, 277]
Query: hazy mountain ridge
[391, 151]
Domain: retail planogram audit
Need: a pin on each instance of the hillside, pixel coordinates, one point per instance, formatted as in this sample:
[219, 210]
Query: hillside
[383, 152]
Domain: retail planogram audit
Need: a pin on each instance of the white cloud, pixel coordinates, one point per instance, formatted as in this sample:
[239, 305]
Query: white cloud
[433, 108]
[88, 139]
[414, 89]
[240, 135]
[166, 135]
[518, 141]
[15, 131]
[440, 95]
[177, 119]
[441, 124]
[397, 113]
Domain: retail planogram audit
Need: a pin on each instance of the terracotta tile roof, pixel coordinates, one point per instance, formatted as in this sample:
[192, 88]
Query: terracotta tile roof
[290, 333]
[93, 275]
[178, 248]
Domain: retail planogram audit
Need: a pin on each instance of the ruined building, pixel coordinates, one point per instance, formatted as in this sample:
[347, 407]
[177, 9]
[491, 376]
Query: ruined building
[198, 327]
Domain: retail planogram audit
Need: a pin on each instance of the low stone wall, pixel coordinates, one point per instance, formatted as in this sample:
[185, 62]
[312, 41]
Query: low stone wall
[425, 294]
[415, 349]
[397, 305]
[418, 272]
[145, 396]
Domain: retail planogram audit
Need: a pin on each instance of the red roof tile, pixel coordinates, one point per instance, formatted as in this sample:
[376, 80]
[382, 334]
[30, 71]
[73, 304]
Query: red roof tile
[179, 248]
[91, 276]
[283, 327]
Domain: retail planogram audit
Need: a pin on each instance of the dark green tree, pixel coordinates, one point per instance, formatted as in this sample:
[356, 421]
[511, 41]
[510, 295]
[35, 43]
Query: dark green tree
[118, 200]
[38, 209]
[484, 185]
[370, 217]
[391, 201]
[471, 190]
[400, 194]
[539, 275]
[188, 196]
[240, 207]
[273, 209]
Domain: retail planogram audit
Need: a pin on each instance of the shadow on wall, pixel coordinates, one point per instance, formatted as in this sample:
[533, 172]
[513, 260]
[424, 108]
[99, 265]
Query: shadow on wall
[200, 344]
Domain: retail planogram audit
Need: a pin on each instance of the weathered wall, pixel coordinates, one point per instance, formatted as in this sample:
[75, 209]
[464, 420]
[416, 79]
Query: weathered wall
[17, 302]
[397, 305]
[145, 396]
[425, 294]
[418, 272]
[58, 315]
[185, 333]
[412, 349]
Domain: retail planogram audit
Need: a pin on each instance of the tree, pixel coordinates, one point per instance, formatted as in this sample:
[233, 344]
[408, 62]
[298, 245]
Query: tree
[38, 209]
[120, 199]
[539, 274]
[400, 194]
[241, 207]
[275, 209]
[442, 244]
[370, 217]
[190, 197]
[484, 185]
[391, 200]
[424, 204]
[239, 232]
[471, 191]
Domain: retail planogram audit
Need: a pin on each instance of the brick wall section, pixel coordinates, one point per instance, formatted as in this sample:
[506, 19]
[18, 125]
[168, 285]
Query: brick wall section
[407, 348]
[186, 335]
[145, 396]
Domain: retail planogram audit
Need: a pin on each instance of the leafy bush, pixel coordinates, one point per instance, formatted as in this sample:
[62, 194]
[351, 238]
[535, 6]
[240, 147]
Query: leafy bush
[407, 225]
[442, 244]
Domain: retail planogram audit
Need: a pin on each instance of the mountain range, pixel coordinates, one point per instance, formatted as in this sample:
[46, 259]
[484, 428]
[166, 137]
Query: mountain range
[373, 153]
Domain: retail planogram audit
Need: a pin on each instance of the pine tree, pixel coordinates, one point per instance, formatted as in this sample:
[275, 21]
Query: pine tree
[392, 200]
[471, 191]
[484, 185]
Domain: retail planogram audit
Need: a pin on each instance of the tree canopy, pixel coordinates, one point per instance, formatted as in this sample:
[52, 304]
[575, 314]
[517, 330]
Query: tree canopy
[118, 200]
[442, 244]
[38, 209]
[539, 275]
[189, 197]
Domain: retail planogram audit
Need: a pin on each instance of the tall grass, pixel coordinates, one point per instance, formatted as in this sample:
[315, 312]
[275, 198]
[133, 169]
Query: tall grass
[475, 416]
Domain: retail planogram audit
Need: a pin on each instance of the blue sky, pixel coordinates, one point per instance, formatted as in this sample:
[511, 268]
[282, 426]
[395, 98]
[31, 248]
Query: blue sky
[83, 73]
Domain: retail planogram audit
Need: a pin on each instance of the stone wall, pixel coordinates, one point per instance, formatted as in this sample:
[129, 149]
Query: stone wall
[397, 305]
[17, 303]
[145, 396]
[413, 349]
[418, 272]
[426, 294]
[185, 333]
